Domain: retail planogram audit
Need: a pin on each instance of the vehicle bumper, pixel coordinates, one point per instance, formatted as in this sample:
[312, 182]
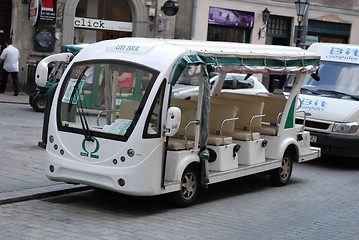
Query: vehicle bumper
[339, 145]
[136, 180]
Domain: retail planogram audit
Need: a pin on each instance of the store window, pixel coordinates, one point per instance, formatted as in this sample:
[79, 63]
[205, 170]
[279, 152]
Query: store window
[229, 25]
[97, 20]
[332, 32]
[278, 30]
[278, 33]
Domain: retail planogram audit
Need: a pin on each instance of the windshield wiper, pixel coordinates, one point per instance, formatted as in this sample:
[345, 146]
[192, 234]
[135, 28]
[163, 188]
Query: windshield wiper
[75, 91]
[85, 126]
[309, 90]
[76, 87]
[339, 93]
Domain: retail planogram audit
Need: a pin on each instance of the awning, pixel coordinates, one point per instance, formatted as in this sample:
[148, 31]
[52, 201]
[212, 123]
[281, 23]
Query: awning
[271, 64]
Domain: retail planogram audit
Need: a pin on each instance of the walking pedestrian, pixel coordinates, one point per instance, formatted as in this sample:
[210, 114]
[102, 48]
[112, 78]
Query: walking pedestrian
[10, 59]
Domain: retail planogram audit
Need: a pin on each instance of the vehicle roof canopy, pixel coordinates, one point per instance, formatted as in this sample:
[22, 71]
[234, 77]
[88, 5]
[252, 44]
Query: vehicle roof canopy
[219, 56]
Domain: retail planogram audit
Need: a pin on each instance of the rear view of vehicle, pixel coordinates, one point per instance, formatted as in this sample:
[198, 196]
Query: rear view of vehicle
[331, 104]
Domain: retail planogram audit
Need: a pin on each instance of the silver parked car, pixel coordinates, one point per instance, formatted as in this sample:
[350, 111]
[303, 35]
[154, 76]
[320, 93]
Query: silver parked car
[233, 82]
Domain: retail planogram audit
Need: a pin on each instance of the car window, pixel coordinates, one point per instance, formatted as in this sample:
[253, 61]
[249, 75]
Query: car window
[229, 83]
[237, 82]
[242, 84]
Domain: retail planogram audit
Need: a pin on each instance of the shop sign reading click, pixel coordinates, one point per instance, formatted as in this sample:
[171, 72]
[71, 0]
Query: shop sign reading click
[100, 24]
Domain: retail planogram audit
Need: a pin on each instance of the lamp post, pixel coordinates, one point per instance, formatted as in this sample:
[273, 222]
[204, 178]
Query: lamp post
[301, 7]
[265, 18]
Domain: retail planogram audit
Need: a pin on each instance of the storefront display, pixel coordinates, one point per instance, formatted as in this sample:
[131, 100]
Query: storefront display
[229, 25]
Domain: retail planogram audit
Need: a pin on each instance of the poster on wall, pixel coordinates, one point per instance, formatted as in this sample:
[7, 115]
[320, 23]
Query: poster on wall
[48, 11]
[232, 18]
[44, 39]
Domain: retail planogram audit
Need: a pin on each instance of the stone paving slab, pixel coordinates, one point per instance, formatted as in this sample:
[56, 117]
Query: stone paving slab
[21, 173]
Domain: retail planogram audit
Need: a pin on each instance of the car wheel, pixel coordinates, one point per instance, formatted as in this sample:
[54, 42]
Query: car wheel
[39, 102]
[189, 188]
[281, 176]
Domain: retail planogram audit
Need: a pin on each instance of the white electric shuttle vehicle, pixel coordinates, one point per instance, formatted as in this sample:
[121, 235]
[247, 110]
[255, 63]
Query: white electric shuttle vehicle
[115, 124]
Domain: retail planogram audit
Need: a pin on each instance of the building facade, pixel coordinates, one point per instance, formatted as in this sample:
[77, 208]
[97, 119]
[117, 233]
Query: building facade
[40, 27]
[328, 21]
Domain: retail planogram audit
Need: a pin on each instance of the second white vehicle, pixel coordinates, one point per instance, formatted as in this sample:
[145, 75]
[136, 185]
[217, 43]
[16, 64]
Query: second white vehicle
[233, 82]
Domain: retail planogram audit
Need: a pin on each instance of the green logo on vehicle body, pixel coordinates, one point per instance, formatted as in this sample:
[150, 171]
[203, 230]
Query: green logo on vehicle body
[95, 145]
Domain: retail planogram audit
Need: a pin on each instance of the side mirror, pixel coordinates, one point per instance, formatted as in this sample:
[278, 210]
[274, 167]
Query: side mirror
[170, 8]
[315, 76]
[42, 68]
[173, 121]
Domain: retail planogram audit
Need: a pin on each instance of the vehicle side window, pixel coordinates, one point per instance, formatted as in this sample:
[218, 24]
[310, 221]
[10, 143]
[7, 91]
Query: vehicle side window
[242, 84]
[154, 119]
[229, 83]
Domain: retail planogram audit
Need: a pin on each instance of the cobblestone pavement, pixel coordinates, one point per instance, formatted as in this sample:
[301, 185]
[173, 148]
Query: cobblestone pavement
[21, 174]
[320, 202]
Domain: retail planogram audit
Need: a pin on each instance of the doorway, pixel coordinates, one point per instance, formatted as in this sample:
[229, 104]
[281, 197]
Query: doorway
[5, 24]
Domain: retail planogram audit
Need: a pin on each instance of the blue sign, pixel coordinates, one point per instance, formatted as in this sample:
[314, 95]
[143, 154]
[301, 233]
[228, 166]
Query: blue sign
[314, 105]
[347, 54]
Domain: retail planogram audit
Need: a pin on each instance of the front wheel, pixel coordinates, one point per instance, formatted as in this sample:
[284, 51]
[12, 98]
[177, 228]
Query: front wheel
[189, 188]
[281, 176]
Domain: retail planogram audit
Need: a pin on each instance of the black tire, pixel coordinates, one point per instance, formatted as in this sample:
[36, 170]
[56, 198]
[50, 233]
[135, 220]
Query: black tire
[281, 176]
[39, 102]
[31, 97]
[190, 185]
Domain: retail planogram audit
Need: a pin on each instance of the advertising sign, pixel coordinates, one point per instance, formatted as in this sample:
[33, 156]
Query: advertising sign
[48, 11]
[311, 39]
[232, 18]
[35, 6]
[100, 24]
[348, 54]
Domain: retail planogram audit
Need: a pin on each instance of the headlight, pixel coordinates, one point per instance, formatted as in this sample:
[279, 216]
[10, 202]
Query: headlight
[345, 127]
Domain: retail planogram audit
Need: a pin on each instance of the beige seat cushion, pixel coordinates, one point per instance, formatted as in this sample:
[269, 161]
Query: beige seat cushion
[268, 130]
[219, 113]
[128, 108]
[179, 144]
[216, 140]
[243, 135]
[188, 114]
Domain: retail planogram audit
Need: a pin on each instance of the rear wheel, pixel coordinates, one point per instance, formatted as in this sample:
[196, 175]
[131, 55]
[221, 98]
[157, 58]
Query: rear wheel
[281, 176]
[39, 102]
[189, 188]
[31, 97]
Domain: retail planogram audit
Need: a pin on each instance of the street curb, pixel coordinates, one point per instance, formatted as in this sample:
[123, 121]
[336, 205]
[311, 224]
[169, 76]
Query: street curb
[12, 102]
[40, 192]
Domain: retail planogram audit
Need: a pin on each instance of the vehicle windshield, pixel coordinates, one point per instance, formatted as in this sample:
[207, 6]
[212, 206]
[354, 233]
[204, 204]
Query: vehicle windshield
[103, 98]
[336, 80]
[190, 76]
